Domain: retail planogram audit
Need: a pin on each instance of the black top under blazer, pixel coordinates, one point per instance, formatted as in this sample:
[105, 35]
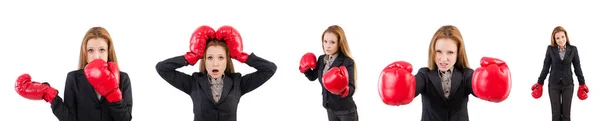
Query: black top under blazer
[197, 86]
[82, 104]
[561, 72]
[330, 100]
[436, 107]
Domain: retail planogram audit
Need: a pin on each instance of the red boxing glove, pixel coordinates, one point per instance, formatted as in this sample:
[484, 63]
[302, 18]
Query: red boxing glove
[34, 90]
[537, 90]
[336, 81]
[198, 43]
[492, 81]
[582, 92]
[308, 61]
[397, 85]
[104, 77]
[234, 42]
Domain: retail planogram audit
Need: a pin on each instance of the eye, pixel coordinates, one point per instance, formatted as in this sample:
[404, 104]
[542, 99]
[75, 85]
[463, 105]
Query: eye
[221, 57]
[438, 51]
[102, 50]
[451, 52]
[90, 50]
[209, 57]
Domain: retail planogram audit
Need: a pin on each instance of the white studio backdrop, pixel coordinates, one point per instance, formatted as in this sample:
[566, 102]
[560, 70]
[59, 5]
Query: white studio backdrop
[42, 38]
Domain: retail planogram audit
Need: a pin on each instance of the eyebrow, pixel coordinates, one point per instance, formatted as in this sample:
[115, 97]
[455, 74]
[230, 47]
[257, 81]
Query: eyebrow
[98, 47]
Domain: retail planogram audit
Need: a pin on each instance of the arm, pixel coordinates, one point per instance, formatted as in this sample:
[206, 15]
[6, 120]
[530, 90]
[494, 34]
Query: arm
[121, 111]
[469, 80]
[577, 66]
[312, 74]
[546, 68]
[421, 79]
[67, 110]
[167, 70]
[264, 71]
[351, 81]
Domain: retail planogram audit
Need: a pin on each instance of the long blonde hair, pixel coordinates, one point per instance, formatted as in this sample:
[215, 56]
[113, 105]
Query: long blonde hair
[342, 44]
[96, 32]
[448, 32]
[556, 30]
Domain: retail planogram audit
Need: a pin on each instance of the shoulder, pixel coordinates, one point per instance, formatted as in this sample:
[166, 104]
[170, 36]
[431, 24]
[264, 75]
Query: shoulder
[347, 60]
[123, 73]
[573, 47]
[321, 57]
[73, 76]
[424, 70]
[235, 76]
[467, 71]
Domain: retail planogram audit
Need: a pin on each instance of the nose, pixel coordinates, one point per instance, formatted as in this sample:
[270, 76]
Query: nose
[95, 55]
[215, 63]
[444, 57]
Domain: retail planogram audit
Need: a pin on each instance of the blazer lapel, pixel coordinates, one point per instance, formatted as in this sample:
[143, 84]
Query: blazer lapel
[227, 84]
[457, 78]
[567, 53]
[338, 61]
[555, 52]
[205, 85]
[89, 89]
[436, 81]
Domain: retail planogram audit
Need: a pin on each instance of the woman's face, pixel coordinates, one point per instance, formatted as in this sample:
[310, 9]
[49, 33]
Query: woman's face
[446, 51]
[330, 43]
[216, 61]
[97, 48]
[560, 38]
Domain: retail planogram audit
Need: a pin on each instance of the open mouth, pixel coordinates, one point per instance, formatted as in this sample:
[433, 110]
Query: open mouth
[443, 64]
[215, 70]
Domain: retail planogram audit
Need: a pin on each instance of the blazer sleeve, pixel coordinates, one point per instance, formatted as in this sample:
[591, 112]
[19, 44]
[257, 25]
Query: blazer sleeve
[264, 71]
[351, 82]
[421, 80]
[167, 69]
[121, 111]
[312, 74]
[66, 110]
[577, 66]
[546, 68]
[469, 81]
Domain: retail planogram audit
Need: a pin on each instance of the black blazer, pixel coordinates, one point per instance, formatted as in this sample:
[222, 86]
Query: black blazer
[561, 69]
[435, 105]
[198, 86]
[81, 102]
[330, 100]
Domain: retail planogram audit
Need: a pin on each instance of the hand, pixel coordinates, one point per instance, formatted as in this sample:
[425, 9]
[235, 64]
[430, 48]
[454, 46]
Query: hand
[582, 92]
[537, 90]
[492, 81]
[234, 42]
[104, 77]
[397, 85]
[34, 90]
[198, 43]
[308, 61]
[336, 81]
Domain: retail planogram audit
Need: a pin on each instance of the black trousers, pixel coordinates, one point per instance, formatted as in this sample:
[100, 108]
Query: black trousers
[560, 101]
[342, 115]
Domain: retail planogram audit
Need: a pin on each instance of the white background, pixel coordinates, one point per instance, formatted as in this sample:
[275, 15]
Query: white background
[43, 38]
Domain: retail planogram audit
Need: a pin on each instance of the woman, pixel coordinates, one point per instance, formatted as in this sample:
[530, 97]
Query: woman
[215, 90]
[96, 91]
[447, 82]
[336, 71]
[560, 54]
